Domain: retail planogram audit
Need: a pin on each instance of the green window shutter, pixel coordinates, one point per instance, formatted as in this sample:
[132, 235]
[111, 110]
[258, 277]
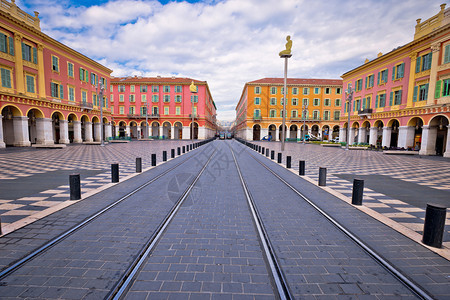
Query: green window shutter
[437, 92]
[426, 91]
[3, 74]
[23, 51]
[402, 70]
[447, 54]
[415, 93]
[2, 42]
[61, 91]
[390, 98]
[376, 101]
[35, 55]
[11, 45]
[379, 78]
[418, 64]
[385, 79]
[393, 73]
[364, 103]
[81, 74]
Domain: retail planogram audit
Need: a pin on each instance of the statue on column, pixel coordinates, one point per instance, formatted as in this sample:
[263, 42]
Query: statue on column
[287, 51]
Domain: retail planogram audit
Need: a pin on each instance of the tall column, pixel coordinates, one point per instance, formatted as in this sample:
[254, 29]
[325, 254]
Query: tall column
[41, 82]
[201, 133]
[406, 136]
[160, 131]
[88, 132]
[172, 133]
[77, 132]
[2, 142]
[447, 146]
[117, 130]
[362, 135]
[21, 137]
[108, 131]
[64, 132]
[127, 131]
[435, 50]
[264, 132]
[186, 132]
[20, 87]
[429, 135]
[97, 132]
[351, 138]
[44, 131]
[373, 135]
[386, 141]
[342, 135]
[277, 134]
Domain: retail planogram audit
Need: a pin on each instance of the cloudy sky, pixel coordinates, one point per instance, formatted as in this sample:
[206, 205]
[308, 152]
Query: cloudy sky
[231, 42]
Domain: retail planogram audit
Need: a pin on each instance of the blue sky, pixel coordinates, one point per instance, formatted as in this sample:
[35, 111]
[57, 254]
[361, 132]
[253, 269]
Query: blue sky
[231, 42]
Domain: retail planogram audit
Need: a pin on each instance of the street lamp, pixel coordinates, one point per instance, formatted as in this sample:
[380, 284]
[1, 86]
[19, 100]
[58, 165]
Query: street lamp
[146, 120]
[349, 96]
[305, 111]
[286, 54]
[100, 90]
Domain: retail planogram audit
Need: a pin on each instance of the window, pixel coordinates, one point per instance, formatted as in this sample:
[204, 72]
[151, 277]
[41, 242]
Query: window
[305, 102]
[382, 77]
[257, 90]
[112, 109]
[70, 69]
[166, 98]
[446, 89]
[30, 84]
[166, 110]
[294, 91]
[84, 96]
[357, 105]
[104, 82]
[155, 110]
[317, 91]
[326, 115]
[316, 115]
[121, 89]
[29, 53]
[327, 91]
[57, 90]
[121, 110]
[178, 99]
[112, 98]
[305, 91]
[257, 113]
[366, 102]
[143, 98]
[84, 76]
[272, 113]
[294, 113]
[155, 98]
[132, 88]
[143, 89]
[178, 110]
[94, 79]
[281, 113]
[6, 44]
[294, 101]
[338, 90]
[194, 98]
[398, 71]
[446, 54]
[71, 93]
[273, 101]
[55, 63]
[257, 101]
[369, 81]
[282, 101]
[273, 90]
[94, 99]
[167, 89]
[178, 89]
[337, 115]
[337, 102]
[426, 62]
[282, 91]
[316, 102]
[131, 98]
[380, 100]
[155, 88]
[143, 110]
[327, 102]
[395, 98]
[358, 85]
[421, 92]
[111, 89]
[121, 98]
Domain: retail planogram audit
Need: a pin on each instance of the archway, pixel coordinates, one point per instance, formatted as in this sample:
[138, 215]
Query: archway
[167, 130]
[379, 133]
[122, 129]
[178, 127]
[133, 130]
[326, 133]
[304, 131]
[10, 136]
[144, 129]
[315, 132]
[354, 134]
[70, 125]
[394, 133]
[256, 132]
[155, 130]
[273, 132]
[416, 140]
[32, 115]
[56, 128]
[366, 132]
[335, 134]
[280, 128]
[293, 131]
[195, 130]
[440, 124]
[84, 120]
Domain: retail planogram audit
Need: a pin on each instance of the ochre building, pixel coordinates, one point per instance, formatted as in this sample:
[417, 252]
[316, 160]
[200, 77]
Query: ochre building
[313, 108]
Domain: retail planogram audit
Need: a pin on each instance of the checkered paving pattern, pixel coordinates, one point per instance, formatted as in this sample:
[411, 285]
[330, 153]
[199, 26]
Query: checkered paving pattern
[430, 172]
[18, 163]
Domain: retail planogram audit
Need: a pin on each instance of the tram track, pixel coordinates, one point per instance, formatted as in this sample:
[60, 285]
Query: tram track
[415, 288]
[54, 241]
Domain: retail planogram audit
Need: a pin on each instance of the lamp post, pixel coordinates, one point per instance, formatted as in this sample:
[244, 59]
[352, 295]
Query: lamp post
[146, 120]
[286, 54]
[349, 96]
[100, 89]
[305, 111]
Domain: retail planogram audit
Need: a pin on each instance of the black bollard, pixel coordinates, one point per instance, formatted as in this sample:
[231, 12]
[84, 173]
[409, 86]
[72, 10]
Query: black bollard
[172, 153]
[357, 194]
[75, 187]
[322, 176]
[279, 158]
[259, 149]
[114, 172]
[184, 149]
[178, 151]
[272, 154]
[153, 160]
[288, 162]
[263, 150]
[267, 152]
[433, 229]
[164, 155]
[301, 167]
[138, 164]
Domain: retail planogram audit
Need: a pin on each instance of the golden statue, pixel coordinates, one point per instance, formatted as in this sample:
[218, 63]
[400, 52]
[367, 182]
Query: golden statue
[192, 87]
[287, 52]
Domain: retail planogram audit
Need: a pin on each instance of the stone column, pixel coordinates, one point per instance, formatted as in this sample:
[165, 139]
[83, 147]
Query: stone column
[406, 136]
[352, 136]
[97, 132]
[186, 132]
[342, 135]
[44, 131]
[172, 133]
[386, 141]
[373, 136]
[117, 130]
[127, 131]
[41, 68]
[362, 135]
[264, 132]
[429, 135]
[277, 134]
[64, 132]
[108, 131]
[2, 142]
[88, 132]
[160, 131]
[21, 137]
[435, 50]
[20, 86]
[447, 146]
[201, 133]
[77, 132]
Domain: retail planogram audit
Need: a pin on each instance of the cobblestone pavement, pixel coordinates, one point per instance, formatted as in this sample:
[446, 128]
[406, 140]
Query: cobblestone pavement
[34, 182]
[396, 186]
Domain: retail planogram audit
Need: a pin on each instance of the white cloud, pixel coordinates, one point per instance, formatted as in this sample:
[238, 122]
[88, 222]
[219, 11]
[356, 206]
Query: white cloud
[228, 43]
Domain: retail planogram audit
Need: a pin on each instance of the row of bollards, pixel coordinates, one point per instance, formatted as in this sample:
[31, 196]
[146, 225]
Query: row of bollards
[435, 214]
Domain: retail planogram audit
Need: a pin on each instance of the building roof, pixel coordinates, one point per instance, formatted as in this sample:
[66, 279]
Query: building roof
[158, 79]
[297, 81]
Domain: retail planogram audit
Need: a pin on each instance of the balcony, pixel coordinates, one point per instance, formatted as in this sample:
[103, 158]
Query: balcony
[85, 105]
[257, 118]
[142, 116]
[365, 112]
